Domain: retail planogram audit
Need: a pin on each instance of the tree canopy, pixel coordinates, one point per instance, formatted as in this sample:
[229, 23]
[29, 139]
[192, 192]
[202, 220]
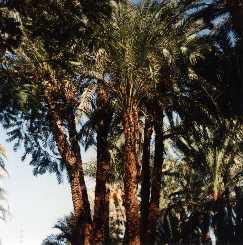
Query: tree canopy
[155, 87]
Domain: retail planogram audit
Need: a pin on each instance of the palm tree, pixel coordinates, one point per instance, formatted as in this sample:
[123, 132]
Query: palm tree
[211, 147]
[222, 20]
[55, 100]
[96, 131]
[137, 44]
[67, 227]
[156, 181]
[42, 72]
[125, 63]
[101, 208]
[146, 173]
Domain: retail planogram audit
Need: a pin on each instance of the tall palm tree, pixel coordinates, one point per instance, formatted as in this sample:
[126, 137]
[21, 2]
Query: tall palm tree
[55, 99]
[156, 180]
[101, 208]
[96, 131]
[146, 173]
[137, 44]
[41, 67]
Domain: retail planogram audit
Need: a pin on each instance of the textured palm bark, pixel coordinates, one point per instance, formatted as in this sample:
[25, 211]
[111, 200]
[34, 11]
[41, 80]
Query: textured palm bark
[85, 217]
[146, 177]
[101, 206]
[156, 176]
[80, 233]
[73, 172]
[75, 190]
[69, 93]
[70, 153]
[130, 124]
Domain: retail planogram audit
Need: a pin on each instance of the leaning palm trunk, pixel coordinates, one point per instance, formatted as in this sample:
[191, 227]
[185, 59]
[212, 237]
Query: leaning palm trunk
[130, 125]
[156, 176]
[101, 206]
[70, 153]
[145, 176]
[85, 218]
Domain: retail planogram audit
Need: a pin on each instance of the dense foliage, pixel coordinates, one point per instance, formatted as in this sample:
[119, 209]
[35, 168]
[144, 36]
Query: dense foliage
[156, 88]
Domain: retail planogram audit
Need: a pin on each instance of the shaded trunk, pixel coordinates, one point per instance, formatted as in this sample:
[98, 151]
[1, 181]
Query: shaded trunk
[69, 93]
[85, 217]
[74, 176]
[146, 176]
[70, 153]
[83, 223]
[156, 175]
[101, 207]
[130, 125]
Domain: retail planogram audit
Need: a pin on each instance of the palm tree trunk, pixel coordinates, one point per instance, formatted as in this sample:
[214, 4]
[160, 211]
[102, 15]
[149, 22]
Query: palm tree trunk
[81, 235]
[85, 217]
[73, 169]
[71, 156]
[145, 176]
[130, 125]
[156, 175]
[101, 208]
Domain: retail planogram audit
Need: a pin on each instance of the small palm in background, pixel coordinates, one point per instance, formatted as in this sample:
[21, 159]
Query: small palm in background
[66, 226]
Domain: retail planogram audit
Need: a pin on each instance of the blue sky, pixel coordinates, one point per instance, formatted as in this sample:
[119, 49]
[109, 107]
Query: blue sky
[35, 202]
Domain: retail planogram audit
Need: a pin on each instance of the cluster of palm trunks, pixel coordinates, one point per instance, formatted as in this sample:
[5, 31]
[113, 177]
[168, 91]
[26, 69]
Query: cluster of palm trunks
[119, 64]
[213, 223]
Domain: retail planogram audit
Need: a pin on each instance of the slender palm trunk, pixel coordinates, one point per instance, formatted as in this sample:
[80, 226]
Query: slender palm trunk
[82, 230]
[70, 153]
[156, 175]
[73, 170]
[130, 125]
[146, 176]
[85, 218]
[101, 208]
